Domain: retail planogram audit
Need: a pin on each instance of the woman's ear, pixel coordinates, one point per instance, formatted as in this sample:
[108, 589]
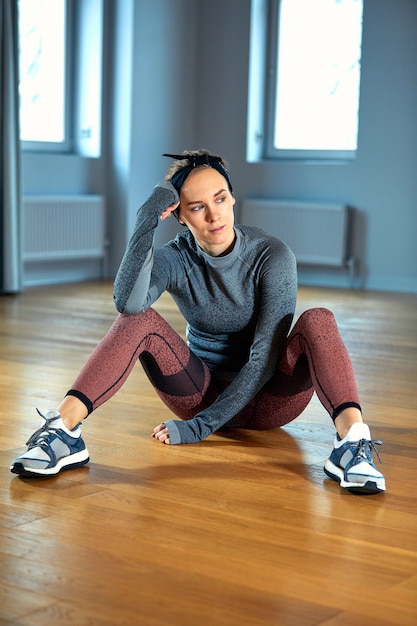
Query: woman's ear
[177, 213]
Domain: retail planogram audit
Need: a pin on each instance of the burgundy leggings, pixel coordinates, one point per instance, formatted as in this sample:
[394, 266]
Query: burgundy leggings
[314, 359]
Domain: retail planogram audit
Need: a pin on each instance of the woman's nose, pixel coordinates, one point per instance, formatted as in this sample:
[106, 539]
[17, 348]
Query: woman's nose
[213, 214]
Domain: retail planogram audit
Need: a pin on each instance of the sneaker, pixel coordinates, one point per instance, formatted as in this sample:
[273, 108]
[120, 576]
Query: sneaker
[351, 463]
[51, 449]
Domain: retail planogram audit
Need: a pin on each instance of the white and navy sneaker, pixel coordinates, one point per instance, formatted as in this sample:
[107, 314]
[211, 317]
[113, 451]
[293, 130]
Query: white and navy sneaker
[351, 463]
[51, 448]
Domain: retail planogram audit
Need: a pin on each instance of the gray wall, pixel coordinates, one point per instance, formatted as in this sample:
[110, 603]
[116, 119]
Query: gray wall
[177, 76]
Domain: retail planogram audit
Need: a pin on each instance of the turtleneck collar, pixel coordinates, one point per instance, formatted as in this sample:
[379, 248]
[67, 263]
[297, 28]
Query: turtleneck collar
[224, 259]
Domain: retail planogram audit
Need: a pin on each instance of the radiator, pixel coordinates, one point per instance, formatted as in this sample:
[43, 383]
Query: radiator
[64, 227]
[317, 233]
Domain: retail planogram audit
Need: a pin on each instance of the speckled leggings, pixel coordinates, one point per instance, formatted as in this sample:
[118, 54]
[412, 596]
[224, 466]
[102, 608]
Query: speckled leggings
[314, 359]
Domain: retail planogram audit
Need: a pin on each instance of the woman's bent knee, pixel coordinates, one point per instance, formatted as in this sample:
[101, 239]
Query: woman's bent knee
[319, 317]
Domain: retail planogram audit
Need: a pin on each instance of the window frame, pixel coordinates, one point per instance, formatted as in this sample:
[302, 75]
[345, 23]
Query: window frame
[66, 145]
[87, 21]
[263, 93]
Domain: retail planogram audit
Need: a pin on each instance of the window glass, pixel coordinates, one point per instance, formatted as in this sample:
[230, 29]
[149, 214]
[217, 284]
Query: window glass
[314, 101]
[42, 66]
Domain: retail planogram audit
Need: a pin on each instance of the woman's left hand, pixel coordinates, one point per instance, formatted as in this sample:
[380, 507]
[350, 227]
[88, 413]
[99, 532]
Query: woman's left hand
[161, 433]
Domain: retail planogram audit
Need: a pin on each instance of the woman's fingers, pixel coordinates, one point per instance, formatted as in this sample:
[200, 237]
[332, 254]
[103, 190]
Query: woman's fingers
[161, 433]
[168, 211]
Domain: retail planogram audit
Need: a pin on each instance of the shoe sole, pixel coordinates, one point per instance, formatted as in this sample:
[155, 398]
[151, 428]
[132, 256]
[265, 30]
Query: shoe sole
[75, 460]
[369, 487]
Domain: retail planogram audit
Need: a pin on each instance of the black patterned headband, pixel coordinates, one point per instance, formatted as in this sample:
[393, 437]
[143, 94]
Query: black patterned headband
[194, 161]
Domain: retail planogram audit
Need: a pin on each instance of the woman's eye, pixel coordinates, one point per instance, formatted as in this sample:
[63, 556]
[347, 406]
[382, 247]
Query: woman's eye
[220, 199]
[198, 207]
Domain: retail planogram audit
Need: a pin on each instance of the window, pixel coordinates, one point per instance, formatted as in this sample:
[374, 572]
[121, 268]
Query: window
[61, 74]
[307, 103]
[43, 73]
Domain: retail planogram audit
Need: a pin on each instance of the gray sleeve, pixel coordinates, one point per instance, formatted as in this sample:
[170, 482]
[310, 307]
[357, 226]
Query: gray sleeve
[174, 434]
[131, 286]
[137, 300]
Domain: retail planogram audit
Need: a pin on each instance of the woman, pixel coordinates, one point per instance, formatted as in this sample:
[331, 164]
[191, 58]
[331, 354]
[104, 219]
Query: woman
[241, 366]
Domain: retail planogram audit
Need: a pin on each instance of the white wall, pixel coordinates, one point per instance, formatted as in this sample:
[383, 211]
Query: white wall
[160, 103]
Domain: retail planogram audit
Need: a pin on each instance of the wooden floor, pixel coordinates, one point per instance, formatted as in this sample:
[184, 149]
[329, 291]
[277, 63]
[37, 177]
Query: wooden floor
[242, 529]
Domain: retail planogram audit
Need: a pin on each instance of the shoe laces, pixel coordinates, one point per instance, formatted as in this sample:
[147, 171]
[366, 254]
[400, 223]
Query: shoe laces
[365, 447]
[39, 437]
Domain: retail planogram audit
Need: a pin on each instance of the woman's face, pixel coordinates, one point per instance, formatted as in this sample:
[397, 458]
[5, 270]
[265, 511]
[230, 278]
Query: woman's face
[206, 207]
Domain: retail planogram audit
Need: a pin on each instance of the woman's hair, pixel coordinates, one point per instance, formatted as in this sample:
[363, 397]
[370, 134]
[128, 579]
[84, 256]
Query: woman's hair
[193, 160]
[190, 160]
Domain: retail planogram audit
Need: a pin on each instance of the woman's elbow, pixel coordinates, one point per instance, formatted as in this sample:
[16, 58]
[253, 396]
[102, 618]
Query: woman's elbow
[118, 303]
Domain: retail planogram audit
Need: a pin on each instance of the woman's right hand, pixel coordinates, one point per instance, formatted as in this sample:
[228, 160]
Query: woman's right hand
[169, 210]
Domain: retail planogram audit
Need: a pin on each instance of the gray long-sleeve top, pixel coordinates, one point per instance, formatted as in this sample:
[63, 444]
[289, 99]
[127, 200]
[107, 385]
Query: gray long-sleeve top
[239, 307]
